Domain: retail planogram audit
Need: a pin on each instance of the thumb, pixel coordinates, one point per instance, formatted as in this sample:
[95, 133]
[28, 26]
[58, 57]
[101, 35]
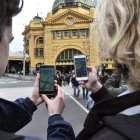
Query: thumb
[89, 68]
[36, 84]
[45, 98]
[81, 82]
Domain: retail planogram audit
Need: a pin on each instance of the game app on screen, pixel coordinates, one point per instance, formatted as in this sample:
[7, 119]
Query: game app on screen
[46, 84]
[81, 67]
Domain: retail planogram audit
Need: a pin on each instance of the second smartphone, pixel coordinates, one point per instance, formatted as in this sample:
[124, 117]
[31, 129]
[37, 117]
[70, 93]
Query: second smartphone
[80, 66]
[46, 82]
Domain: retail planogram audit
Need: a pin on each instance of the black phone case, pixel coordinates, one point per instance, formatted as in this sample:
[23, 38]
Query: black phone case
[50, 94]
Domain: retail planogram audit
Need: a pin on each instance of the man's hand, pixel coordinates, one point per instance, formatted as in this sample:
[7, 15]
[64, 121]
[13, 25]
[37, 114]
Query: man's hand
[92, 84]
[36, 98]
[56, 105]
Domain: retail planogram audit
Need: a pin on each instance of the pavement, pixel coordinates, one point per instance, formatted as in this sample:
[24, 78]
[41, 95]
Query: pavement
[74, 112]
[20, 77]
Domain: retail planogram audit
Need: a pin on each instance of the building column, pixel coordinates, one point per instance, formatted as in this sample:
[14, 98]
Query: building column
[31, 53]
[48, 47]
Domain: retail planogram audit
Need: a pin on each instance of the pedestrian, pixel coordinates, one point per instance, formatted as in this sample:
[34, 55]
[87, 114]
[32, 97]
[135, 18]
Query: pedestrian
[75, 84]
[115, 118]
[89, 102]
[58, 78]
[68, 79]
[85, 92]
[114, 83]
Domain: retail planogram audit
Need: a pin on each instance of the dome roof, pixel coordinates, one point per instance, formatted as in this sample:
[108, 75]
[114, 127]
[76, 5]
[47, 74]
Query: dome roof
[72, 3]
[37, 18]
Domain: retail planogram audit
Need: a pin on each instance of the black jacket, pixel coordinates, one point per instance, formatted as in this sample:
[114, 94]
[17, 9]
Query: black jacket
[114, 85]
[14, 116]
[104, 121]
[74, 82]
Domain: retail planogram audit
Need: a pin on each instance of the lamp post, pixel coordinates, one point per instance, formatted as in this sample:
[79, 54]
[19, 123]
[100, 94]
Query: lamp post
[24, 62]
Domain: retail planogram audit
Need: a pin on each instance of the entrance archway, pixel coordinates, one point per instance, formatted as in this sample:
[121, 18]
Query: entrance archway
[64, 61]
[37, 66]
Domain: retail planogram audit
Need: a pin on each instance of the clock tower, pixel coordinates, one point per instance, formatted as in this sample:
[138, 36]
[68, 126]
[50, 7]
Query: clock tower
[66, 31]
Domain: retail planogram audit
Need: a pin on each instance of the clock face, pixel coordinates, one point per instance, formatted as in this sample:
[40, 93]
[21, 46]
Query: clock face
[69, 21]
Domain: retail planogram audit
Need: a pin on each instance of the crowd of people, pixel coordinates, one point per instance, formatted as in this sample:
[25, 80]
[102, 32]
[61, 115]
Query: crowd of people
[113, 82]
[116, 111]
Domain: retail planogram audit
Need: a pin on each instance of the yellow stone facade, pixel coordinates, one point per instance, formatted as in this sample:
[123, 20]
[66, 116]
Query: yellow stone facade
[67, 29]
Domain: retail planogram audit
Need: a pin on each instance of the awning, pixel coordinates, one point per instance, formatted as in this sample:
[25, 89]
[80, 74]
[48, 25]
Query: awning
[63, 63]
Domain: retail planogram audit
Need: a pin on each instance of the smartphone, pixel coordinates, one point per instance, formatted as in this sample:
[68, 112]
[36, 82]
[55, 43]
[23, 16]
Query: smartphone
[46, 81]
[80, 66]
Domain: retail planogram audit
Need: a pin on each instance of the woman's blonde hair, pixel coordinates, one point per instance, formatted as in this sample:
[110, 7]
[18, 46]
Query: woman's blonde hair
[119, 27]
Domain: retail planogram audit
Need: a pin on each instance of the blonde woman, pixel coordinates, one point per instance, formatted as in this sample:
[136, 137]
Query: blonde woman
[115, 118]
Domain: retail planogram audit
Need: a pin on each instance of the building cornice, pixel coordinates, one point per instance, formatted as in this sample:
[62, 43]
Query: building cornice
[53, 21]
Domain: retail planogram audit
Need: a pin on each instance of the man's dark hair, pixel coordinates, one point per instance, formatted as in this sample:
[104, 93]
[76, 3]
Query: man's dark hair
[8, 9]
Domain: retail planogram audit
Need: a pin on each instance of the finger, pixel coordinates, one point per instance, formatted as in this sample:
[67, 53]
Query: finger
[45, 98]
[59, 91]
[55, 81]
[56, 86]
[81, 82]
[89, 68]
[37, 80]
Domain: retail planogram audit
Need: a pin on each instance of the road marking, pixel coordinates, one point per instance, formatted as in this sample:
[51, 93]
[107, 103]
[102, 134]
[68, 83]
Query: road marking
[87, 111]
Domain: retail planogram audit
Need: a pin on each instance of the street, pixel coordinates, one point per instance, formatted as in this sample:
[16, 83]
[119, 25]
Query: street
[74, 112]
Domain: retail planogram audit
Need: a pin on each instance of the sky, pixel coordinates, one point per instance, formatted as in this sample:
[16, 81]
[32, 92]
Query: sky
[29, 11]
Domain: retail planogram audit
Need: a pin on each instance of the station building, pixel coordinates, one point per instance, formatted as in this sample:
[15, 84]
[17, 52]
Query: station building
[67, 30]
[15, 63]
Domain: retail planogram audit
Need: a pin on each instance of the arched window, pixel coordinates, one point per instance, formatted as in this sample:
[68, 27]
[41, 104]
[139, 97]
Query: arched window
[39, 50]
[40, 40]
[67, 55]
[38, 66]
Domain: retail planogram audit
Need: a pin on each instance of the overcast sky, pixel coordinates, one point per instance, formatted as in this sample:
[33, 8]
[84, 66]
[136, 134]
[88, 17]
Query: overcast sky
[30, 10]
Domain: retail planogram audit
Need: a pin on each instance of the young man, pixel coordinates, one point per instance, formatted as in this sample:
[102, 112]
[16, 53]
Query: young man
[13, 115]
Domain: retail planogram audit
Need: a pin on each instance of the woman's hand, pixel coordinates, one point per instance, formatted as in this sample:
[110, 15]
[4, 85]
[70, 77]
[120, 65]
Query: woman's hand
[36, 97]
[56, 105]
[92, 84]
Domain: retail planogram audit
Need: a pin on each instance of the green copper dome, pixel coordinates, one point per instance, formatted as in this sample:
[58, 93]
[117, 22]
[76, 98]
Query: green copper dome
[72, 3]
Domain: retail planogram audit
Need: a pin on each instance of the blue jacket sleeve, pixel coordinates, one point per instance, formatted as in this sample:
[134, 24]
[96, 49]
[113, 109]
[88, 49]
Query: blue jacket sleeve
[15, 115]
[59, 129]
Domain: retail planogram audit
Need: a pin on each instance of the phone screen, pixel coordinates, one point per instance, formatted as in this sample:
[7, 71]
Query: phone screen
[47, 74]
[81, 67]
